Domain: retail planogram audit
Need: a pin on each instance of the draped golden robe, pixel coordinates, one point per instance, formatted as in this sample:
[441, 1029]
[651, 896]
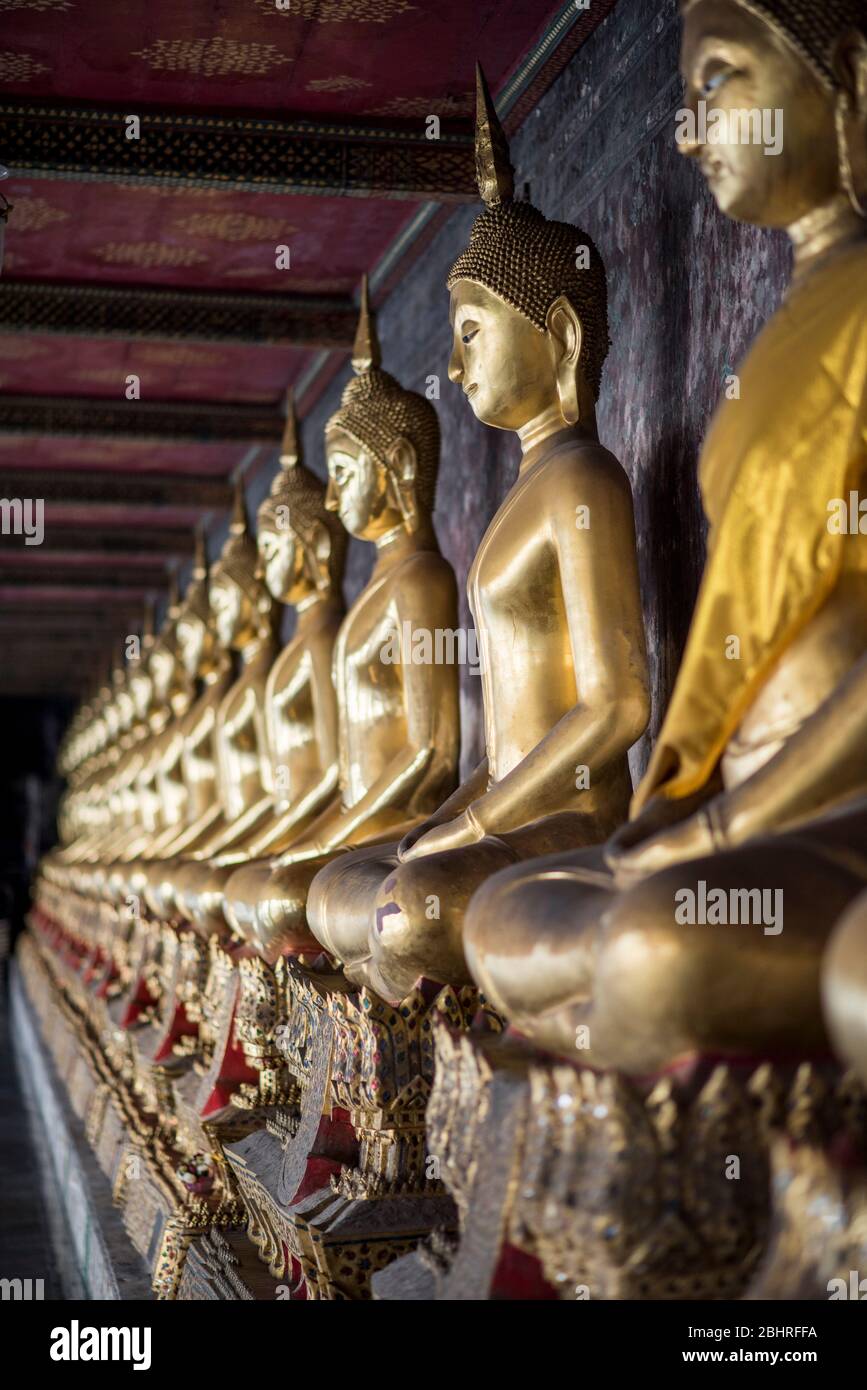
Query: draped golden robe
[774, 462]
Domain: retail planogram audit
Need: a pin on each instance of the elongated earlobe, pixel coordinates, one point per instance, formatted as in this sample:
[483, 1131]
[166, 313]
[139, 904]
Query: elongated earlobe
[319, 553]
[566, 334]
[402, 482]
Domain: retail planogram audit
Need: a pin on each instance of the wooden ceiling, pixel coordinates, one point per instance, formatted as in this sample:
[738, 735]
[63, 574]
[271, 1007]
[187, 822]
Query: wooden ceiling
[160, 152]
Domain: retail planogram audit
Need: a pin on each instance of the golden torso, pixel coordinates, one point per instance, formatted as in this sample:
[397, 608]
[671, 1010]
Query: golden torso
[550, 639]
[516, 599]
[199, 748]
[371, 693]
[241, 736]
[293, 734]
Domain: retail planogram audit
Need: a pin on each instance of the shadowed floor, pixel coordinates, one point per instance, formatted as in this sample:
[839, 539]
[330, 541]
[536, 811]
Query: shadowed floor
[26, 1250]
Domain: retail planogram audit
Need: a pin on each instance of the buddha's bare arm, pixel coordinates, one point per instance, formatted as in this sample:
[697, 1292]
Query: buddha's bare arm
[821, 765]
[474, 786]
[428, 689]
[310, 799]
[309, 796]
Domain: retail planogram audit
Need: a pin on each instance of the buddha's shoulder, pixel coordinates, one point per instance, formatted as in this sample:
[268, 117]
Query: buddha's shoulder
[836, 291]
[577, 465]
[423, 567]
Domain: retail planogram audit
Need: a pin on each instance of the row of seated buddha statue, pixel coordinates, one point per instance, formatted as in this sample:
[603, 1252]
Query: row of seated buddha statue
[308, 806]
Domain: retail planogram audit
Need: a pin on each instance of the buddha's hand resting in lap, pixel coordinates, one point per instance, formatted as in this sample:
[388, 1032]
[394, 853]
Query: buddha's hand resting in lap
[688, 839]
[433, 837]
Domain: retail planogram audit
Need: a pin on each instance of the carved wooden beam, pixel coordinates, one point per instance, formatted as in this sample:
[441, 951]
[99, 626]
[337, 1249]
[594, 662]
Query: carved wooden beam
[30, 306]
[207, 422]
[154, 545]
[24, 574]
[62, 596]
[127, 490]
[80, 626]
[237, 152]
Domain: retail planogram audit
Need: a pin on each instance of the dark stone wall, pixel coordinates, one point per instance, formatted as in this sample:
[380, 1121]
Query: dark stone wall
[688, 290]
[29, 790]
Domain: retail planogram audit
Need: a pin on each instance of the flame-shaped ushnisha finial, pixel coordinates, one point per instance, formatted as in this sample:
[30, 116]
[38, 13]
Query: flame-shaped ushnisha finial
[148, 631]
[494, 173]
[119, 662]
[366, 352]
[200, 557]
[239, 525]
[174, 603]
[290, 449]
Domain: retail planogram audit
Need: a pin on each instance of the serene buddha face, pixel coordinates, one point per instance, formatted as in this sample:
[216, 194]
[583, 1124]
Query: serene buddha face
[499, 358]
[358, 487]
[733, 61]
[282, 555]
[195, 644]
[140, 689]
[232, 610]
[126, 705]
[112, 718]
[162, 667]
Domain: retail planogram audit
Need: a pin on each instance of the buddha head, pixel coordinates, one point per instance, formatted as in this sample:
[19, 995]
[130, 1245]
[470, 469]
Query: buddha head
[382, 446]
[163, 656]
[114, 709]
[802, 63]
[140, 682]
[242, 607]
[195, 635]
[302, 547]
[104, 693]
[528, 301]
[123, 692]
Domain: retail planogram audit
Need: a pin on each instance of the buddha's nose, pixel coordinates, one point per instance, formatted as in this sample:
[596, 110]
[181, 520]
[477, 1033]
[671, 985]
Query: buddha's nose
[688, 144]
[456, 366]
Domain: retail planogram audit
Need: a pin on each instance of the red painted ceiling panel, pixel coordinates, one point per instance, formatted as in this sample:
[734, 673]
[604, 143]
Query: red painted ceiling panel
[388, 59]
[119, 456]
[61, 229]
[37, 364]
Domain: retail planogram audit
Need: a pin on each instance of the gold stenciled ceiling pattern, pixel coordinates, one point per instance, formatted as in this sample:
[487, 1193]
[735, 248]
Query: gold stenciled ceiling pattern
[217, 57]
[148, 254]
[336, 11]
[234, 226]
[19, 67]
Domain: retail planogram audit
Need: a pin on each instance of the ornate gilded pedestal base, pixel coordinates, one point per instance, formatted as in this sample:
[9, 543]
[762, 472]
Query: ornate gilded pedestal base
[339, 1185]
[618, 1190]
[136, 1143]
[413, 1154]
[222, 1265]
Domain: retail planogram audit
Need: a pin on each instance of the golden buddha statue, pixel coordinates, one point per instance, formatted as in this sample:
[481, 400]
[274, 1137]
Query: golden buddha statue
[192, 757]
[701, 925]
[301, 550]
[172, 696]
[111, 865]
[140, 683]
[554, 594]
[83, 812]
[398, 719]
[97, 807]
[245, 619]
